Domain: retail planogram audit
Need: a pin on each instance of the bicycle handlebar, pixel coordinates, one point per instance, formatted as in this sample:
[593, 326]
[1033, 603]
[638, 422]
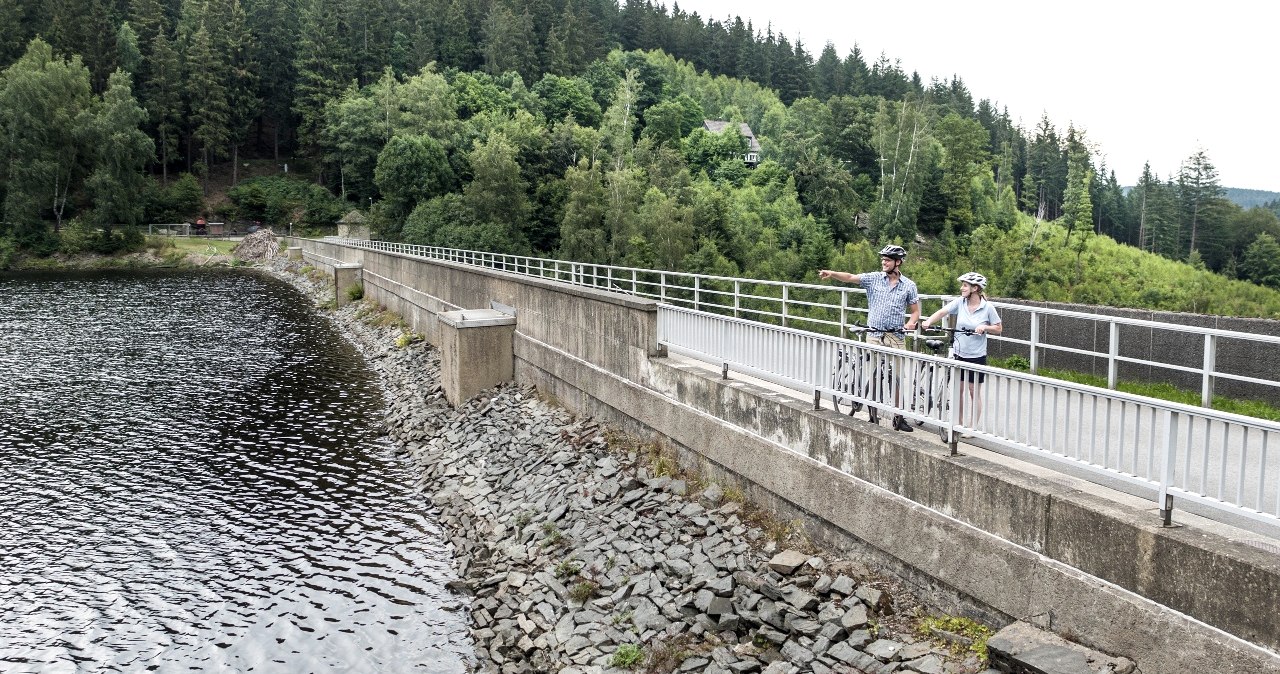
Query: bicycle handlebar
[963, 331]
[867, 328]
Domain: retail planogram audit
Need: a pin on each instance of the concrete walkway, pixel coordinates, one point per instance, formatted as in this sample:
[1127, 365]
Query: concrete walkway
[1032, 462]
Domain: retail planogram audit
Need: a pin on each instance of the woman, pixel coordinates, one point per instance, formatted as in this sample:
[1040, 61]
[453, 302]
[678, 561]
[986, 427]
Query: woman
[975, 319]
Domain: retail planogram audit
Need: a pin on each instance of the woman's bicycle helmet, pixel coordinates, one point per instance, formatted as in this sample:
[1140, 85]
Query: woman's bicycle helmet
[973, 278]
[895, 252]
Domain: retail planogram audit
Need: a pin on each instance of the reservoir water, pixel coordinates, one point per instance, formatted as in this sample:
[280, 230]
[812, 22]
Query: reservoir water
[191, 479]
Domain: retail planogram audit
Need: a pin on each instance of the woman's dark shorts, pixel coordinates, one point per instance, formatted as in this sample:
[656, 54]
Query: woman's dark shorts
[968, 375]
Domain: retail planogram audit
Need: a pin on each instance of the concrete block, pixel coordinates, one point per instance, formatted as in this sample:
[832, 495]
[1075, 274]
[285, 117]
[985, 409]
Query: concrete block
[1023, 649]
[346, 276]
[476, 352]
[295, 252]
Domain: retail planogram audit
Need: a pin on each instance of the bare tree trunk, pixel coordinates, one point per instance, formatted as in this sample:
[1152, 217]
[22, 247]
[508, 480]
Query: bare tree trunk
[164, 160]
[1142, 222]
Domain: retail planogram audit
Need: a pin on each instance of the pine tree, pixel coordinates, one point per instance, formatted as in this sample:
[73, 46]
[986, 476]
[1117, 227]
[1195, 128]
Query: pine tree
[162, 96]
[237, 47]
[582, 233]
[276, 25]
[828, 76]
[12, 33]
[509, 43]
[86, 28]
[323, 69]
[1201, 201]
[1077, 207]
[206, 95]
[856, 72]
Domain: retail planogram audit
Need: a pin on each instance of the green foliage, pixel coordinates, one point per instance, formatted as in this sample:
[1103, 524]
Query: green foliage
[80, 236]
[355, 293]
[628, 656]
[1029, 262]
[8, 252]
[181, 201]
[43, 124]
[407, 338]
[551, 535]
[568, 569]
[1262, 261]
[412, 170]
[964, 634]
[279, 200]
[584, 591]
[567, 97]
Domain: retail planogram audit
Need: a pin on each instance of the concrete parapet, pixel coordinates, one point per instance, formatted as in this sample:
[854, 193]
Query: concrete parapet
[475, 352]
[997, 545]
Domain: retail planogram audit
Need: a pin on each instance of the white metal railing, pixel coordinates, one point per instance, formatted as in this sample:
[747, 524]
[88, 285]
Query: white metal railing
[832, 310]
[1220, 460]
[1225, 461]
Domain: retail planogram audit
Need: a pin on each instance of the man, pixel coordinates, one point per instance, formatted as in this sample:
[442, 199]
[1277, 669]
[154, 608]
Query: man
[890, 296]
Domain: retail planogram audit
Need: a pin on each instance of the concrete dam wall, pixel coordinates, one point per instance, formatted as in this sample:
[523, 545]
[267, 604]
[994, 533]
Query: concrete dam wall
[989, 540]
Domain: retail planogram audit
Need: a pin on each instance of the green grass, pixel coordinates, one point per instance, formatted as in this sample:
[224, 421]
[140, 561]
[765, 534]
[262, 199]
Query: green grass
[1158, 390]
[186, 245]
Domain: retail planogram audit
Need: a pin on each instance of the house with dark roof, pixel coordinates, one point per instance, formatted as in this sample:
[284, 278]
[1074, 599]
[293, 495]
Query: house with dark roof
[752, 156]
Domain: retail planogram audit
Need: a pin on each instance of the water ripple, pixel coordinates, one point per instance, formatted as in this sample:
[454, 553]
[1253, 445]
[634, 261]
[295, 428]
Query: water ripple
[191, 481]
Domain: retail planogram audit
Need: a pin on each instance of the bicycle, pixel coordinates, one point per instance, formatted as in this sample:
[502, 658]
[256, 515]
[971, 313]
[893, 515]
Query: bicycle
[859, 373]
[933, 384]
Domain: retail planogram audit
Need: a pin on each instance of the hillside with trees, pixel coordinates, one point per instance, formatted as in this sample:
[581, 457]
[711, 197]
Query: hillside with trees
[574, 129]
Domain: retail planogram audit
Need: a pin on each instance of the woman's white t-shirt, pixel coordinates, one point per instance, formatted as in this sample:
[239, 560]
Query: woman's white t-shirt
[972, 345]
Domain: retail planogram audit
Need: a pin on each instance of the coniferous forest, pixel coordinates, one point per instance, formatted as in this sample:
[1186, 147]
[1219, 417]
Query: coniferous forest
[575, 129]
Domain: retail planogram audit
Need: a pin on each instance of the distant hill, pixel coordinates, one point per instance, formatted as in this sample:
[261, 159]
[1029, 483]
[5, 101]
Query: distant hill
[1247, 199]
[1243, 198]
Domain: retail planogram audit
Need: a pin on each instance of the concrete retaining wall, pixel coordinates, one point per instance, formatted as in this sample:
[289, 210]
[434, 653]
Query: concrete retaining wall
[965, 532]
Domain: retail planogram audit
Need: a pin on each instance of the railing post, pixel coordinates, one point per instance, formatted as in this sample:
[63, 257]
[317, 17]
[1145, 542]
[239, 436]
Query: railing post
[635, 288]
[1113, 350]
[953, 409]
[1165, 499]
[1210, 362]
[844, 313]
[662, 286]
[737, 297]
[697, 292]
[785, 295]
[1035, 343]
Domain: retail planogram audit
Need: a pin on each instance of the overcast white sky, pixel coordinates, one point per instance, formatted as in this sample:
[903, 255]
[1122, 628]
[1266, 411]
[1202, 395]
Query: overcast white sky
[1146, 81]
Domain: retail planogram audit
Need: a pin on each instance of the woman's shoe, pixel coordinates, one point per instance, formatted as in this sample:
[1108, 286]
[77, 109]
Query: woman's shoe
[900, 424]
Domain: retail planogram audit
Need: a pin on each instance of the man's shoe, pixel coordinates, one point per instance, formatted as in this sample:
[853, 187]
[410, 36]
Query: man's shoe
[900, 424]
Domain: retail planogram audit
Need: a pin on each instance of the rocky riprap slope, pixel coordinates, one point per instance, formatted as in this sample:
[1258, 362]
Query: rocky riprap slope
[579, 557]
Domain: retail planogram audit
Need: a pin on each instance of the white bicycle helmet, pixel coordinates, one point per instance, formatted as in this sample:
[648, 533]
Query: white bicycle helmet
[895, 252]
[973, 278]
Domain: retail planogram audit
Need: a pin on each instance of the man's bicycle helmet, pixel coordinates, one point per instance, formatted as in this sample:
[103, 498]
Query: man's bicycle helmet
[973, 278]
[895, 252]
